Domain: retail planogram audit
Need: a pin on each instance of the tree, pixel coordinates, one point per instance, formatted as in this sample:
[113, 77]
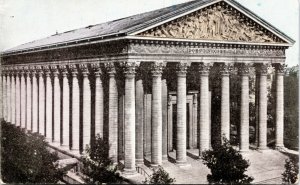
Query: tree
[226, 164]
[97, 166]
[291, 173]
[26, 159]
[160, 176]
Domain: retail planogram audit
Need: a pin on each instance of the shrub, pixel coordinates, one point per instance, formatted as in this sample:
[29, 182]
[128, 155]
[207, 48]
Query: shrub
[291, 172]
[160, 176]
[25, 158]
[97, 166]
[226, 164]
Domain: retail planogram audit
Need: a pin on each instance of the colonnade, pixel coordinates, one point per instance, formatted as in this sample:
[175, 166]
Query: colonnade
[46, 99]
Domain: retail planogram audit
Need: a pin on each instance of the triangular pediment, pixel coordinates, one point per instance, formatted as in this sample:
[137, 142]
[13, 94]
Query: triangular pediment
[217, 22]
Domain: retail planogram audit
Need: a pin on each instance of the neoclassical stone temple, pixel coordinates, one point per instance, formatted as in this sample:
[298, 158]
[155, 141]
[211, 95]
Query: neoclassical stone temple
[112, 79]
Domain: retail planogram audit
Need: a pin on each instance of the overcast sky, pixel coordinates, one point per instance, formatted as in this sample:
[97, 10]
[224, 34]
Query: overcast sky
[22, 21]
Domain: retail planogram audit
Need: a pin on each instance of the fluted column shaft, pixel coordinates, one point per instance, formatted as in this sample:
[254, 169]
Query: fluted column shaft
[28, 102]
[86, 116]
[139, 122]
[35, 110]
[23, 100]
[204, 104]
[225, 102]
[65, 109]
[279, 135]
[164, 99]
[8, 99]
[129, 112]
[156, 115]
[244, 128]
[263, 100]
[18, 100]
[99, 112]
[113, 115]
[57, 107]
[4, 95]
[13, 99]
[75, 109]
[42, 103]
[181, 114]
[49, 103]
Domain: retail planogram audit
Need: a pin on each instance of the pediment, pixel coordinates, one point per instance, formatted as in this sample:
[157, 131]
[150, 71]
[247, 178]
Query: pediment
[216, 22]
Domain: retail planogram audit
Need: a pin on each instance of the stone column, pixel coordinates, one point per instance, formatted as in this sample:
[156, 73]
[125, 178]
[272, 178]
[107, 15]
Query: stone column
[8, 96]
[263, 102]
[65, 107]
[56, 105]
[225, 101]
[35, 94]
[42, 102]
[204, 106]
[23, 99]
[28, 101]
[129, 113]
[4, 93]
[156, 113]
[13, 98]
[18, 99]
[139, 122]
[75, 109]
[1, 94]
[99, 101]
[112, 113]
[49, 104]
[279, 135]
[244, 128]
[86, 115]
[164, 100]
[181, 114]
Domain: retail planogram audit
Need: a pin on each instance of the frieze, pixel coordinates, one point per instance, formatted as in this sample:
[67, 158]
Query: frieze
[202, 51]
[216, 22]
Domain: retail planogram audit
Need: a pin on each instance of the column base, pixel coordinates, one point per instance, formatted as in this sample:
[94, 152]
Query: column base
[244, 150]
[165, 157]
[182, 164]
[280, 148]
[49, 140]
[139, 161]
[129, 172]
[262, 148]
[65, 147]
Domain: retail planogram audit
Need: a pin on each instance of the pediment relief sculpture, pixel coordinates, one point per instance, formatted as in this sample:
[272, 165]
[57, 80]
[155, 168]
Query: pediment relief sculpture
[218, 22]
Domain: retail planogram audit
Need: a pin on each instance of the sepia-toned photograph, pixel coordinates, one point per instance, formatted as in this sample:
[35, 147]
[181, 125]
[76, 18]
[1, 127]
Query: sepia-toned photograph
[149, 92]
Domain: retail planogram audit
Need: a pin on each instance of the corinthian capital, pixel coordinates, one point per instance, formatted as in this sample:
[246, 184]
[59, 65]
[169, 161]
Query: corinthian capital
[64, 70]
[262, 68]
[96, 67]
[226, 68]
[280, 68]
[204, 68]
[110, 67]
[244, 69]
[129, 68]
[181, 68]
[157, 68]
[84, 69]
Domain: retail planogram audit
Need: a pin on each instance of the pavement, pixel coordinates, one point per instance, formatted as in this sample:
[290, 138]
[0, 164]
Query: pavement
[265, 167]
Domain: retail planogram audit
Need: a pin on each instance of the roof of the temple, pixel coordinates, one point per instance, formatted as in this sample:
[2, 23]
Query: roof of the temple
[129, 25]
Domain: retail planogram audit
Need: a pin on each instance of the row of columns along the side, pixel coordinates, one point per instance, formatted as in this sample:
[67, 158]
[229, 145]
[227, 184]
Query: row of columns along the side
[40, 86]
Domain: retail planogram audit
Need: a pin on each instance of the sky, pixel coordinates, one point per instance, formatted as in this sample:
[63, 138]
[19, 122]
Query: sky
[23, 21]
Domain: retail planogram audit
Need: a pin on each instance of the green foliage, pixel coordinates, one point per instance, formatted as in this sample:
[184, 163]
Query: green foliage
[25, 158]
[291, 173]
[227, 165]
[160, 176]
[291, 109]
[97, 166]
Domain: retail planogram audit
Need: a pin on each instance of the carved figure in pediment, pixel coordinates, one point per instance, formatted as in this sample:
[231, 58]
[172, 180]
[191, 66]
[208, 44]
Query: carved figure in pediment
[215, 23]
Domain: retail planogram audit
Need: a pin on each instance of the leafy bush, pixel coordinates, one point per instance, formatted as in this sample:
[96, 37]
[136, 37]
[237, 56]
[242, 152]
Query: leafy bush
[97, 166]
[226, 164]
[25, 158]
[291, 173]
[160, 176]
